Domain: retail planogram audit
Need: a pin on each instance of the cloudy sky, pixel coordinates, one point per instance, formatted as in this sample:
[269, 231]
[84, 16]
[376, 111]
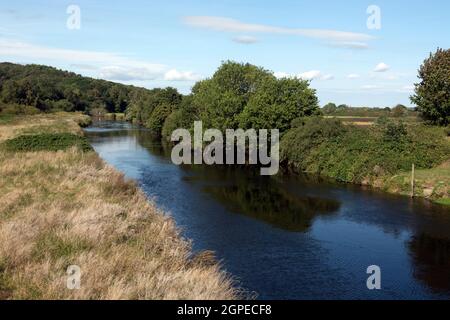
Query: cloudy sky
[349, 54]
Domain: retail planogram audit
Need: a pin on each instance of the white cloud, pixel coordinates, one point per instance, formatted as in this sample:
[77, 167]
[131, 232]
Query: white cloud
[280, 75]
[327, 77]
[353, 76]
[310, 75]
[341, 38]
[245, 39]
[350, 44]
[84, 66]
[381, 67]
[406, 89]
[111, 66]
[175, 75]
[127, 73]
[315, 75]
[18, 49]
[370, 87]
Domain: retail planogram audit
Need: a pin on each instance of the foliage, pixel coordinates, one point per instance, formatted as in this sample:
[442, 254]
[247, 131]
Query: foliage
[243, 95]
[220, 99]
[277, 103]
[46, 142]
[143, 102]
[17, 109]
[399, 111]
[432, 93]
[329, 108]
[156, 121]
[46, 89]
[353, 154]
[183, 117]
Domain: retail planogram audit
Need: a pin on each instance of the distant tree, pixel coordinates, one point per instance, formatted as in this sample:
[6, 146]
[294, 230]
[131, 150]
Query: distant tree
[432, 93]
[399, 111]
[329, 108]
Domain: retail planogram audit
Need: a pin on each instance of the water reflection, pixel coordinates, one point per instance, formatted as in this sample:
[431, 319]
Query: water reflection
[431, 261]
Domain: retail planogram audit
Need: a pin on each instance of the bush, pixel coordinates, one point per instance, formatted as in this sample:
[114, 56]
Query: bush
[157, 118]
[46, 142]
[353, 154]
[18, 109]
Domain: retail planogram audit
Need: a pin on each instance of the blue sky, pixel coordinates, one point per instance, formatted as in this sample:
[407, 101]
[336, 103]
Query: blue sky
[175, 43]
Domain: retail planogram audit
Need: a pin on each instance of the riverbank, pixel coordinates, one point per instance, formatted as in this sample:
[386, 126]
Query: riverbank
[67, 207]
[380, 156]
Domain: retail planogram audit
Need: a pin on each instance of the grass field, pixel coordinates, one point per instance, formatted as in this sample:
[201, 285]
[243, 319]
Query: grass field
[429, 183]
[368, 121]
[67, 207]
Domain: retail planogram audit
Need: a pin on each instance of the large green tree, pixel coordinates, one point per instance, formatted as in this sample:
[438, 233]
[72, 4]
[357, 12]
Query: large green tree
[277, 103]
[247, 96]
[432, 93]
[220, 99]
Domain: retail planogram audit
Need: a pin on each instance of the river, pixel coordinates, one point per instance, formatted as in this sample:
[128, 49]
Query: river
[287, 237]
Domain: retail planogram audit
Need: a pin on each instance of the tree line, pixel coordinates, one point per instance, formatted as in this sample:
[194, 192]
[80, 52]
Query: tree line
[238, 95]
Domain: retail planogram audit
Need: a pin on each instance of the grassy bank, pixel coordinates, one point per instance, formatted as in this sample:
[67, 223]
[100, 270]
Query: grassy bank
[67, 207]
[380, 155]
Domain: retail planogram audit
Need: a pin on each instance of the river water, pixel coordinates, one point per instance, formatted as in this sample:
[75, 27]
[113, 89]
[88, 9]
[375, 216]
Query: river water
[288, 237]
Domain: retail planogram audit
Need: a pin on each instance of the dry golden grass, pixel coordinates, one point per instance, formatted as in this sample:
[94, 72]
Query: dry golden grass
[70, 208]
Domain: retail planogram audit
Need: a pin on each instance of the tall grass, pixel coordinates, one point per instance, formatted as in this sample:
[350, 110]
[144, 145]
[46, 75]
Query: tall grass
[61, 208]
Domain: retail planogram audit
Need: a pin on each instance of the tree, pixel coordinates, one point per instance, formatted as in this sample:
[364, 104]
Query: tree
[399, 110]
[329, 108]
[432, 93]
[183, 117]
[247, 96]
[277, 102]
[222, 98]
[157, 118]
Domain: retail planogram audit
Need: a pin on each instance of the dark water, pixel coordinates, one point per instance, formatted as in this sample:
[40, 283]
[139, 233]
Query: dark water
[290, 237]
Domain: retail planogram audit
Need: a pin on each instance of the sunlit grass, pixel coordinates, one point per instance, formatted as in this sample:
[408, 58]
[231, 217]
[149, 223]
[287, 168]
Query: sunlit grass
[59, 208]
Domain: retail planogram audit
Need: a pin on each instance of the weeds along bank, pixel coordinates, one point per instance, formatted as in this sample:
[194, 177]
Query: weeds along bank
[67, 207]
[380, 155]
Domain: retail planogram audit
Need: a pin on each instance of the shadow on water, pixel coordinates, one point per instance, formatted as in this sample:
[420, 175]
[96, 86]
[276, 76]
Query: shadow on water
[244, 191]
[431, 261]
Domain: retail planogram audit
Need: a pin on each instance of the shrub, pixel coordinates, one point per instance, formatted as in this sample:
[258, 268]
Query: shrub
[46, 142]
[157, 118]
[352, 154]
[18, 109]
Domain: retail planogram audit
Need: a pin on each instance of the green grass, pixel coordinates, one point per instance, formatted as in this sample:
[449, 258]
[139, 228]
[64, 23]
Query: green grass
[49, 245]
[6, 118]
[46, 142]
[445, 201]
